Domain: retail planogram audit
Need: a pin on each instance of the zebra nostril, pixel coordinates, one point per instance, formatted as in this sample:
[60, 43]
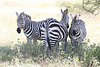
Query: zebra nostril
[19, 30]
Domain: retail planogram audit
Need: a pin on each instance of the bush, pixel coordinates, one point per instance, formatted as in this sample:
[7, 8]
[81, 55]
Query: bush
[84, 55]
[91, 6]
[72, 7]
[97, 52]
[6, 53]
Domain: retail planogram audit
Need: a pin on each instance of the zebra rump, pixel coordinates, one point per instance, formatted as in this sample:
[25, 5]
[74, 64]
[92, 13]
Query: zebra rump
[55, 33]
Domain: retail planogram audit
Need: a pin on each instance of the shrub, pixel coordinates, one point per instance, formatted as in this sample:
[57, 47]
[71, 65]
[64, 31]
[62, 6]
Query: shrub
[97, 52]
[84, 55]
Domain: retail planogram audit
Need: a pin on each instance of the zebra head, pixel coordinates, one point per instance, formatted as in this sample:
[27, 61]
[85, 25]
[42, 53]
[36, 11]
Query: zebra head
[65, 17]
[21, 21]
[75, 26]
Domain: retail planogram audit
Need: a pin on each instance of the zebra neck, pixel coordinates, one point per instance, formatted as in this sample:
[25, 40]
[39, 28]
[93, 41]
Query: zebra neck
[27, 26]
[63, 21]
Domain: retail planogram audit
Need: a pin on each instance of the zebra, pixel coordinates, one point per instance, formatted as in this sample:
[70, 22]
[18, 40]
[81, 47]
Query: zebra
[77, 31]
[34, 29]
[65, 23]
[58, 31]
[18, 30]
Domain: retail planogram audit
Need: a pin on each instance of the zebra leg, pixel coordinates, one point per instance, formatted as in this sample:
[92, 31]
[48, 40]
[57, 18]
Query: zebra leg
[72, 42]
[49, 51]
[45, 46]
[80, 51]
[64, 44]
[57, 46]
[29, 41]
[34, 41]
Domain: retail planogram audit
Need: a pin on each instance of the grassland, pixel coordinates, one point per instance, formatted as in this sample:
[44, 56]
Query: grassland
[39, 10]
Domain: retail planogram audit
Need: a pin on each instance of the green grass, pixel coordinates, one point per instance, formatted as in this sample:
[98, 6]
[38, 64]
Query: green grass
[22, 53]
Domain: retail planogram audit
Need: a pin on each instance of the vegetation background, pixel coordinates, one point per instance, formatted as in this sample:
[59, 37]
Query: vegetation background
[14, 50]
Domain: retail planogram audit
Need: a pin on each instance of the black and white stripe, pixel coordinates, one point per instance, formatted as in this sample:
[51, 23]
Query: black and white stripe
[56, 33]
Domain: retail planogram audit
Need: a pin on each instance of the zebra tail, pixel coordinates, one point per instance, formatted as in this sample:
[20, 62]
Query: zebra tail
[48, 41]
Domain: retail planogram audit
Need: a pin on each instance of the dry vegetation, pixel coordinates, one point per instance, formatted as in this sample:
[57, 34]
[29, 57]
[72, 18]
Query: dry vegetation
[39, 10]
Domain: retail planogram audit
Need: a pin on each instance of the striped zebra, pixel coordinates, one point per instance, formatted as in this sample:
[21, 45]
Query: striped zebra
[77, 31]
[65, 23]
[35, 29]
[19, 30]
[58, 31]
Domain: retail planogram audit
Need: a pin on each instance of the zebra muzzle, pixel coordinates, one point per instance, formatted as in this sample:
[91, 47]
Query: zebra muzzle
[74, 32]
[19, 30]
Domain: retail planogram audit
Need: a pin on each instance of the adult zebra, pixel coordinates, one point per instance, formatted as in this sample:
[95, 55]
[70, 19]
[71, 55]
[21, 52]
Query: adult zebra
[58, 32]
[19, 30]
[34, 29]
[65, 23]
[77, 31]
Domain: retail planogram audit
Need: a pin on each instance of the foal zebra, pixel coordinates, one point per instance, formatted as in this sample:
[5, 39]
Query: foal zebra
[77, 31]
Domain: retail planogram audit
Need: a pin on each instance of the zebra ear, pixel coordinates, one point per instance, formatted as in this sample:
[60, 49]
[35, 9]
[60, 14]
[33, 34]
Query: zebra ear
[17, 14]
[79, 16]
[61, 11]
[23, 15]
[71, 16]
[67, 11]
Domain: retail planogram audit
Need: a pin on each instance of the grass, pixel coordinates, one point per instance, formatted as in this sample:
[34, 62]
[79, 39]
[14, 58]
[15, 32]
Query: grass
[22, 53]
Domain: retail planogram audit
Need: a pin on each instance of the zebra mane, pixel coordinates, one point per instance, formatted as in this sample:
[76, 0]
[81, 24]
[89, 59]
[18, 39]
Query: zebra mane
[26, 15]
[75, 17]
